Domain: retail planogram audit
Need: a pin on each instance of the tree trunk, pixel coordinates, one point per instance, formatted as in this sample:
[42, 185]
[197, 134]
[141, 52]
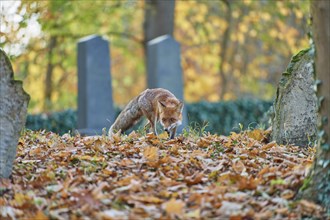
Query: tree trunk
[321, 30]
[223, 51]
[318, 188]
[158, 20]
[49, 75]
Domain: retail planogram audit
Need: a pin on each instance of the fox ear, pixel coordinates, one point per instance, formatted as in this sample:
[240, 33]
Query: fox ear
[180, 106]
[161, 104]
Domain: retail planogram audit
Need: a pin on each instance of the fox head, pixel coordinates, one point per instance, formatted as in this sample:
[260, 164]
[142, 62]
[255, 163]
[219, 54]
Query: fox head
[170, 115]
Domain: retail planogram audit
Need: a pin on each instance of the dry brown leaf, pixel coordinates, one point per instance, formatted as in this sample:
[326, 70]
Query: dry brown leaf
[264, 215]
[126, 162]
[151, 154]
[131, 177]
[116, 138]
[194, 179]
[287, 194]
[239, 166]
[163, 135]
[257, 134]
[203, 142]
[195, 214]
[133, 135]
[230, 208]
[247, 183]
[310, 207]
[40, 215]
[263, 171]
[269, 145]
[235, 217]
[174, 207]
[175, 149]
[112, 214]
[147, 199]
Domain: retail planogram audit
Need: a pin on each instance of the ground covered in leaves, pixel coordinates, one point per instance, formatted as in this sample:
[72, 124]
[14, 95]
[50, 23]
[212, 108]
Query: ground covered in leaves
[241, 176]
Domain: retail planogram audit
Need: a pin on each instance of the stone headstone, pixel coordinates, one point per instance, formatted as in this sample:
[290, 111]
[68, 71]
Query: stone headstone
[14, 102]
[95, 103]
[164, 68]
[296, 106]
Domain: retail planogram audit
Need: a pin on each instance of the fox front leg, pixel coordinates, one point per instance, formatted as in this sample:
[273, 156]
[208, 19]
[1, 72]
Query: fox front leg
[152, 123]
[172, 133]
[154, 126]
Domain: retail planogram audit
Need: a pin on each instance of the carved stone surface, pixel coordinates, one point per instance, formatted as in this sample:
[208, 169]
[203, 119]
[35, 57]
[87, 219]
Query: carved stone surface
[95, 103]
[13, 108]
[164, 68]
[295, 120]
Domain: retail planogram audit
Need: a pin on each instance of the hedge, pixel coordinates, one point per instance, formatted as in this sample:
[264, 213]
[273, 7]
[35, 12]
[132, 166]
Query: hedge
[220, 117]
[224, 117]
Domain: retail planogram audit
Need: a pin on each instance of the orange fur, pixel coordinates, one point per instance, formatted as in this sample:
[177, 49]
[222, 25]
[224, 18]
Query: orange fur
[156, 105]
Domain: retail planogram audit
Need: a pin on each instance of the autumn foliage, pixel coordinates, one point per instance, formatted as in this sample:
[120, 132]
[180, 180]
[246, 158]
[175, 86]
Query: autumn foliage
[242, 176]
[225, 54]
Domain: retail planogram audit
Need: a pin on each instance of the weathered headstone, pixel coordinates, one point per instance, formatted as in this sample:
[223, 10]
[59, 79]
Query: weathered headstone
[13, 108]
[295, 107]
[164, 68]
[95, 103]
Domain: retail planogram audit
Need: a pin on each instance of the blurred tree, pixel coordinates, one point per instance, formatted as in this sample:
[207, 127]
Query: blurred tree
[318, 187]
[262, 37]
[250, 48]
[158, 19]
[223, 49]
[47, 64]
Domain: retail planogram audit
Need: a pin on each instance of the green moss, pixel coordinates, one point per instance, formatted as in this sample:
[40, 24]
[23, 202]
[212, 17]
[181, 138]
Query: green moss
[306, 183]
[286, 76]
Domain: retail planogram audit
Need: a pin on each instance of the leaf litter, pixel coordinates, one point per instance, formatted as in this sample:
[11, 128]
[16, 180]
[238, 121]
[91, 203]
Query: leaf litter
[241, 176]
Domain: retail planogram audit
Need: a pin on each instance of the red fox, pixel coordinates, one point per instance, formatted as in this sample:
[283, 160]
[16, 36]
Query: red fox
[156, 105]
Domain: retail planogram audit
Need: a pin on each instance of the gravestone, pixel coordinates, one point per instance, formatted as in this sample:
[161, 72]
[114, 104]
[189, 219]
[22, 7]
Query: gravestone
[95, 103]
[295, 107]
[14, 101]
[164, 68]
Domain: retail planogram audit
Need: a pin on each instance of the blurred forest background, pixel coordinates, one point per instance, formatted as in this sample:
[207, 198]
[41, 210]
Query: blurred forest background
[230, 49]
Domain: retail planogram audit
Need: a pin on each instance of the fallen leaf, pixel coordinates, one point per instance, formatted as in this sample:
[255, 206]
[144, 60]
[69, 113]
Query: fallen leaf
[194, 179]
[112, 214]
[126, 162]
[257, 134]
[147, 199]
[40, 216]
[287, 194]
[163, 135]
[230, 208]
[263, 215]
[239, 166]
[269, 145]
[174, 206]
[193, 214]
[151, 154]
[310, 207]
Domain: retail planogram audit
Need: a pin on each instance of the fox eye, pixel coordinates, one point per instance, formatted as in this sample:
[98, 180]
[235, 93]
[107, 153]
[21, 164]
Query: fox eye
[172, 120]
[163, 120]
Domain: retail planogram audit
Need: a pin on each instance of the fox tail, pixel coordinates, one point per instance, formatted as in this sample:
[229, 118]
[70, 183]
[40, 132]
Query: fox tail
[129, 116]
